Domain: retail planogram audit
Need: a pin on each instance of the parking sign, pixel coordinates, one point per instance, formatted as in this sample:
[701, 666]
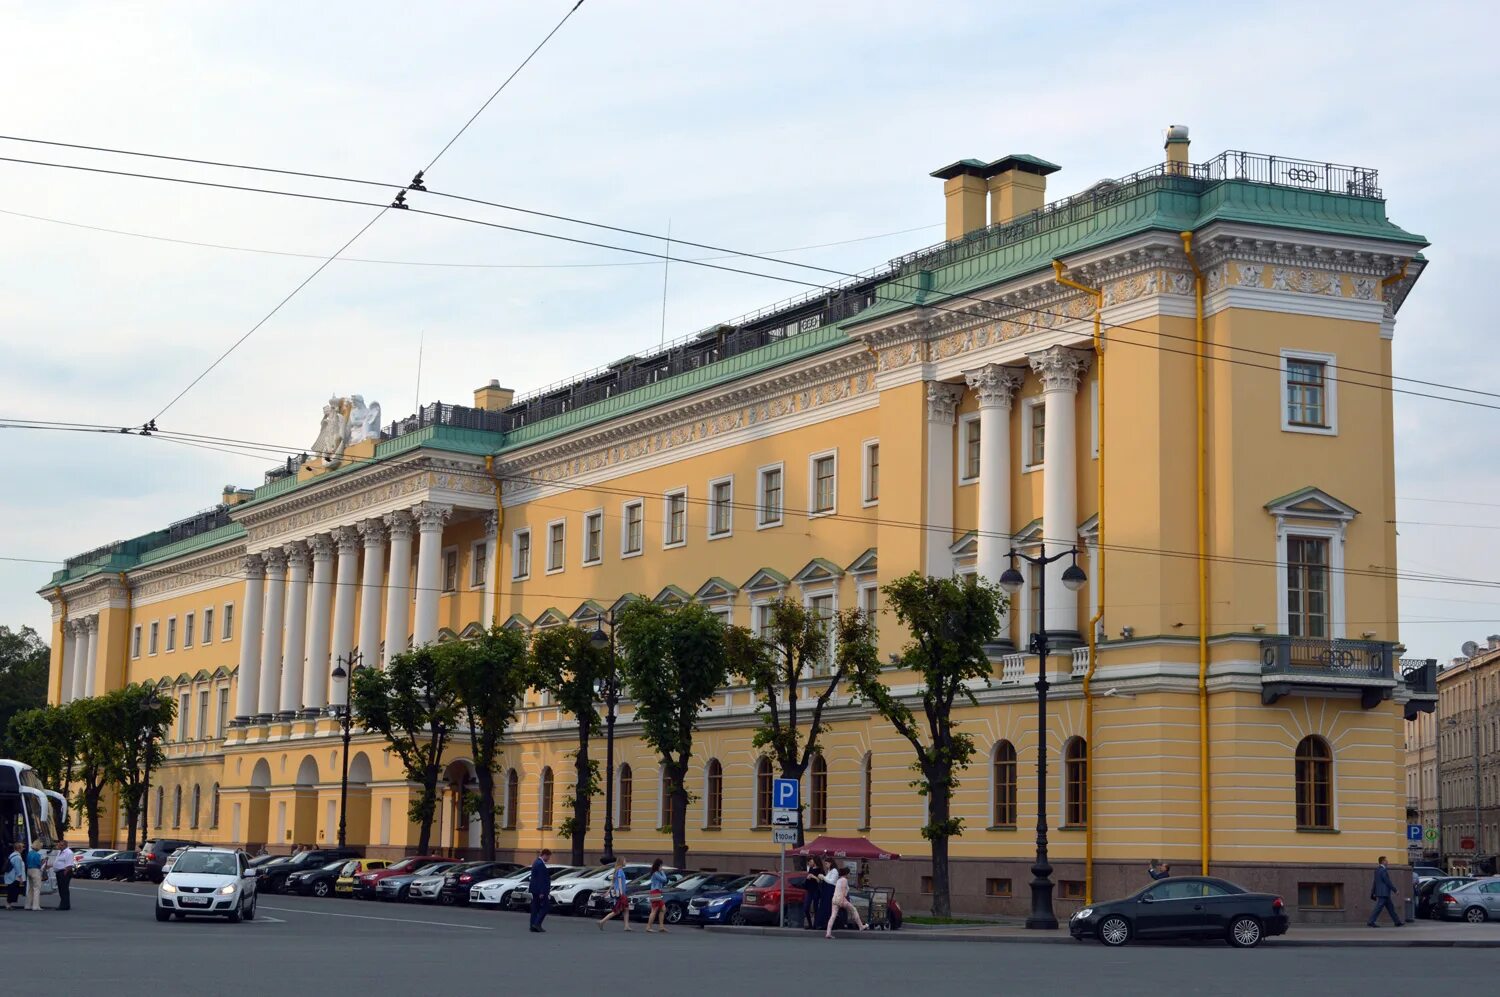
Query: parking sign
[785, 794]
[1414, 832]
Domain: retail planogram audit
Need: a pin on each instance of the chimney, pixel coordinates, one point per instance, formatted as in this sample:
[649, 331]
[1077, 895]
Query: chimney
[1493, 640]
[1018, 186]
[963, 190]
[492, 397]
[1177, 149]
[234, 496]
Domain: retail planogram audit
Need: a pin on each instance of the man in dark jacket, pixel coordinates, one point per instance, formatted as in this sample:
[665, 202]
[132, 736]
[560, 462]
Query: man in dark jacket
[1381, 891]
[541, 889]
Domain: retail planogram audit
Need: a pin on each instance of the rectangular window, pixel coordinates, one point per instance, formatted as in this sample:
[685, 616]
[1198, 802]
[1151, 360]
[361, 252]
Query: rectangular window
[521, 556]
[824, 481]
[593, 537]
[927, 884]
[155, 631]
[769, 510]
[208, 625]
[632, 528]
[1036, 433]
[997, 887]
[203, 715]
[968, 428]
[557, 543]
[1306, 403]
[674, 528]
[761, 618]
[721, 507]
[821, 608]
[1307, 586]
[171, 633]
[135, 642]
[479, 560]
[229, 621]
[182, 717]
[187, 630]
[1320, 896]
[223, 718]
[450, 571]
[1034, 576]
[872, 473]
[1070, 889]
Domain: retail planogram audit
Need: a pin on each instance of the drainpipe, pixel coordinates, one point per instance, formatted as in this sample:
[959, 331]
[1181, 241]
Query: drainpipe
[1201, 419]
[62, 645]
[494, 569]
[1096, 572]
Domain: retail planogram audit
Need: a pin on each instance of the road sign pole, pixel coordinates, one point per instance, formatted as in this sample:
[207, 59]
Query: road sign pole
[781, 906]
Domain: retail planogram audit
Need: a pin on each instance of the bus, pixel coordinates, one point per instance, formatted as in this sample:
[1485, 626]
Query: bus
[27, 810]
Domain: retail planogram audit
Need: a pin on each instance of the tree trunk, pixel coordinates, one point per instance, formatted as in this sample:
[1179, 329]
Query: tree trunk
[487, 810]
[132, 820]
[428, 807]
[582, 796]
[679, 803]
[939, 808]
[91, 812]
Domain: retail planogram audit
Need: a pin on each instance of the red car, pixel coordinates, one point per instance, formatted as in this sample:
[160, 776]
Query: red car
[365, 882]
[762, 897]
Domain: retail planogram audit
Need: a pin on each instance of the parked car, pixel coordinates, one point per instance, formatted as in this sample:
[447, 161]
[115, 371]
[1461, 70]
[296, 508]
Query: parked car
[265, 858]
[679, 894]
[427, 886]
[718, 906]
[1473, 902]
[271, 877]
[214, 881]
[762, 898]
[113, 865]
[366, 883]
[398, 887]
[153, 855]
[1427, 872]
[571, 896]
[1430, 891]
[1184, 907]
[520, 898]
[314, 882]
[497, 892]
[83, 855]
[343, 886]
[459, 881]
[600, 902]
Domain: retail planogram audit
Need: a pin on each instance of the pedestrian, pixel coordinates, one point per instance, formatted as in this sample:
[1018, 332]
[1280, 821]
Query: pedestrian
[658, 905]
[63, 864]
[812, 890]
[541, 889]
[1381, 892]
[34, 876]
[15, 876]
[617, 890]
[840, 902]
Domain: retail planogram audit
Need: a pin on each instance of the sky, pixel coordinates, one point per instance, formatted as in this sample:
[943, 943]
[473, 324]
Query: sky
[768, 127]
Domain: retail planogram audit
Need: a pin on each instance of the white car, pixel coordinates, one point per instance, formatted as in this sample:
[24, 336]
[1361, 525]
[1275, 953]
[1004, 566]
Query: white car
[571, 895]
[166, 866]
[496, 892]
[427, 889]
[85, 854]
[214, 881]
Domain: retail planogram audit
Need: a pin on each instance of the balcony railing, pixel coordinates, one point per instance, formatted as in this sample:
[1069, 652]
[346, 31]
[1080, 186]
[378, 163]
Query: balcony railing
[1013, 668]
[1286, 662]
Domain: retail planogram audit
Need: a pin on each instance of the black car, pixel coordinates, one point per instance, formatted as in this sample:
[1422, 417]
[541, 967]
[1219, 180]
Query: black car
[1429, 890]
[678, 895]
[1185, 907]
[154, 854]
[458, 881]
[315, 882]
[116, 865]
[272, 877]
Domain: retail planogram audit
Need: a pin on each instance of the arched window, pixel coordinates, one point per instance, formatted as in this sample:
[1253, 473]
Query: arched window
[176, 806]
[1314, 784]
[714, 795]
[1003, 785]
[544, 803]
[627, 796]
[1076, 783]
[763, 793]
[161, 804]
[213, 807]
[512, 792]
[869, 791]
[197, 806]
[817, 815]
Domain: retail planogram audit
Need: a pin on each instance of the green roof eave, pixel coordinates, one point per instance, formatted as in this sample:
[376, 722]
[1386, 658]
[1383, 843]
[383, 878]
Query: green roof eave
[1022, 162]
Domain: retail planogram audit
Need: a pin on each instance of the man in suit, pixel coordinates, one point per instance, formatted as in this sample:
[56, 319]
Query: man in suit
[541, 889]
[1381, 891]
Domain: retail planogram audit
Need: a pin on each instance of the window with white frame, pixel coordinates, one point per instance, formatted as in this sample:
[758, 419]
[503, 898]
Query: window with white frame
[1310, 537]
[1307, 586]
[171, 633]
[557, 545]
[155, 633]
[223, 718]
[135, 642]
[183, 701]
[187, 629]
[761, 618]
[869, 603]
[593, 537]
[208, 625]
[822, 608]
[229, 621]
[1034, 435]
[1309, 384]
[720, 507]
[674, 518]
[450, 570]
[871, 490]
[968, 448]
[822, 483]
[520, 567]
[202, 714]
[632, 528]
[769, 503]
[479, 564]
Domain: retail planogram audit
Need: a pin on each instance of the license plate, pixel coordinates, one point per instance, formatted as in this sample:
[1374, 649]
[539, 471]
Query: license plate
[194, 901]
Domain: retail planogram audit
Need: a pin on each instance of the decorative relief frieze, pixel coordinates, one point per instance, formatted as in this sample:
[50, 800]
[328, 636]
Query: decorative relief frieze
[221, 567]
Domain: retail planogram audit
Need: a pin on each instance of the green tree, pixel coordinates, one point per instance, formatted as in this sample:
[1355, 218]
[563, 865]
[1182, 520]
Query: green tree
[91, 770]
[134, 722]
[24, 662]
[950, 621]
[567, 666]
[489, 676]
[46, 738]
[414, 705]
[673, 661]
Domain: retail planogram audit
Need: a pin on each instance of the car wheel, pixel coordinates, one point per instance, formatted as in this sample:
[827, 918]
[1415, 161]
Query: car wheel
[162, 914]
[249, 912]
[1245, 932]
[1114, 930]
[404, 893]
[96, 873]
[320, 888]
[738, 918]
[581, 903]
[1476, 915]
[447, 899]
[234, 916]
[674, 913]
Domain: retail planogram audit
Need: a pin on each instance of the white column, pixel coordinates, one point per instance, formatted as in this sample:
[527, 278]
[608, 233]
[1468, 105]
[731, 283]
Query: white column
[995, 388]
[345, 595]
[83, 678]
[942, 408]
[398, 587]
[247, 689]
[491, 570]
[373, 531]
[430, 519]
[319, 619]
[270, 645]
[294, 648]
[1060, 368]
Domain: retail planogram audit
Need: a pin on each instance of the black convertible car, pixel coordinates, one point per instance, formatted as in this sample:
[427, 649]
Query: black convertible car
[1186, 907]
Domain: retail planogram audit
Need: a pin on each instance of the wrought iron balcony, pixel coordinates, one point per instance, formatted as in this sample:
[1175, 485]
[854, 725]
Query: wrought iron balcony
[1420, 676]
[1287, 663]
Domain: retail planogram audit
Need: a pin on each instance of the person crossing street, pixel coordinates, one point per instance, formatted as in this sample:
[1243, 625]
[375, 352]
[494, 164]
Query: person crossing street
[1381, 891]
[541, 889]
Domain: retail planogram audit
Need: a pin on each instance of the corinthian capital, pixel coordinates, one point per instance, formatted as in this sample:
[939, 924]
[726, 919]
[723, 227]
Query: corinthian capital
[942, 401]
[400, 524]
[90, 624]
[347, 537]
[1059, 368]
[995, 386]
[321, 545]
[492, 525]
[373, 531]
[254, 566]
[296, 554]
[430, 516]
[275, 559]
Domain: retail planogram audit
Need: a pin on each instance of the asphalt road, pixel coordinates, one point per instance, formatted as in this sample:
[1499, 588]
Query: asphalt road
[109, 944]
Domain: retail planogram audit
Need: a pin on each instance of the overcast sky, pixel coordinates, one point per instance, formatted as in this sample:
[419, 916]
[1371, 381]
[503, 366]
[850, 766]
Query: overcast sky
[767, 126]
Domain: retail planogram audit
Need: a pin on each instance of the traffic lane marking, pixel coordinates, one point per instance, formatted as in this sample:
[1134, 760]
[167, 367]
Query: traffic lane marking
[318, 913]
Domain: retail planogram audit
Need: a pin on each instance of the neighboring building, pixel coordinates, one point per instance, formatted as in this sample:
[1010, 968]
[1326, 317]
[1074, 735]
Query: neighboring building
[921, 419]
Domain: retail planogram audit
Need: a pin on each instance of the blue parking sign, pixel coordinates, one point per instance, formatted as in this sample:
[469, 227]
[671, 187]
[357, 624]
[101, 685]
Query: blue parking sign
[1414, 832]
[785, 794]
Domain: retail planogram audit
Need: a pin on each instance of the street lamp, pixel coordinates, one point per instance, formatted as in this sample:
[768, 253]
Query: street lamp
[148, 707]
[1042, 916]
[608, 688]
[346, 721]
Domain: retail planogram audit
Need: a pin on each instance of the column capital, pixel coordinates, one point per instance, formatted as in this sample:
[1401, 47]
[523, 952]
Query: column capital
[89, 624]
[321, 545]
[942, 401]
[275, 559]
[347, 538]
[373, 531]
[254, 566]
[400, 524]
[1059, 368]
[492, 526]
[430, 516]
[995, 386]
[296, 554]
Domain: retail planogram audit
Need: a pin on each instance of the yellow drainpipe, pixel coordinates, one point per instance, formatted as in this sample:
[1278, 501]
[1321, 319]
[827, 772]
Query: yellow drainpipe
[494, 569]
[1097, 569]
[1201, 420]
[1394, 278]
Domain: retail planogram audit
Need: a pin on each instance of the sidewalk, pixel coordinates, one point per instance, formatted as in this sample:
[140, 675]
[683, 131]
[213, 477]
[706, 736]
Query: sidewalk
[1419, 934]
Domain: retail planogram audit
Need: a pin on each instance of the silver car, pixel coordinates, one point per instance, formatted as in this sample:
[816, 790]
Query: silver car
[1473, 902]
[427, 889]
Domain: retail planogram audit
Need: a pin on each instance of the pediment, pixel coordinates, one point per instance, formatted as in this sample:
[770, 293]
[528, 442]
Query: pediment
[516, 622]
[716, 588]
[966, 545]
[550, 617]
[588, 609]
[864, 564]
[1311, 503]
[764, 580]
[818, 570]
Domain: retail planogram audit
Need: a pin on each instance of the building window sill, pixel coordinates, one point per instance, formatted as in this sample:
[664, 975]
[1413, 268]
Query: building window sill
[1318, 830]
[1001, 827]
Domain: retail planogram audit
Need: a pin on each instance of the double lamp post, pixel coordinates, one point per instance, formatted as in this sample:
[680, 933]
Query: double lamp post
[607, 688]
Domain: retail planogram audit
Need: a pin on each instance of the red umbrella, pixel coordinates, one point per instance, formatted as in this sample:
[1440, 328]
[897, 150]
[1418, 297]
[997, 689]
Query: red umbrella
[844, 848]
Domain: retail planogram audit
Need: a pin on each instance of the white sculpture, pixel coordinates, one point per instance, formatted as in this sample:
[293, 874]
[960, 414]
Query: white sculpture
[346, 420]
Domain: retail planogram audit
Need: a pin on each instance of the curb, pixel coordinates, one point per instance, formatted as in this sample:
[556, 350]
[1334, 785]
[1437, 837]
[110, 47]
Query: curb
[1280, 942]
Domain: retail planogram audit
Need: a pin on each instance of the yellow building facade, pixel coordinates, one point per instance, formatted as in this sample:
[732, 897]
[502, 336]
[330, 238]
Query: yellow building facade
[1195, 394]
